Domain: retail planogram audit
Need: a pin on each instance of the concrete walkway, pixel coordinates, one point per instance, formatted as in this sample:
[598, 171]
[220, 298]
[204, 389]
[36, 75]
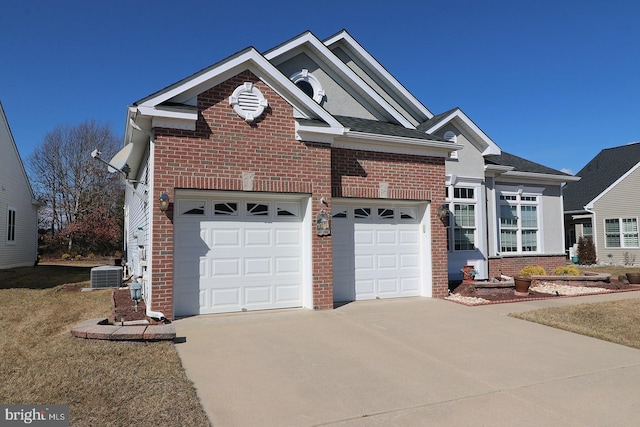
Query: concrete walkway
[407, 362]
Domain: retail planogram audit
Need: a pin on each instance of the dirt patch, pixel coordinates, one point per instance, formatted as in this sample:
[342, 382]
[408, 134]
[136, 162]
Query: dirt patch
[125, 308]
[501, 294]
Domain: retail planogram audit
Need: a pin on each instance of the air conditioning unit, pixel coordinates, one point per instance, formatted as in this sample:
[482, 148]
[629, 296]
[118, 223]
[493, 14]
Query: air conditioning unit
[108, 276]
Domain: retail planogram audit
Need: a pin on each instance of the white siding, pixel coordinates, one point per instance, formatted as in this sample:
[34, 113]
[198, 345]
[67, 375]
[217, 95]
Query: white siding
[137, 225]
[15, 192]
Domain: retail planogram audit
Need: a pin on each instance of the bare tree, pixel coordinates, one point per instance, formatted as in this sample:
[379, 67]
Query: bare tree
[71, 183]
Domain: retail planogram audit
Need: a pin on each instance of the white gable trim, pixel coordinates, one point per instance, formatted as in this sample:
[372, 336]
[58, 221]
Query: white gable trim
[394, 144]
[611, 187]
[317, 48]
[12, 142]
[399, 90]
[491, 147]
[185, 90]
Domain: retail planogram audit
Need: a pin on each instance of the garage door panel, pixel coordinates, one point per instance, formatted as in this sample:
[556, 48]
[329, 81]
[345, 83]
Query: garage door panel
[224, 238]
[364, 262]
[408, 284]
[388, 286]
[288, 265]
[376, 251]
[221, 268]
[388, 261]
[257, 266]
[386, 237]
[287, 238]
[409, 261]
[234, 259]
[365, 289]
[257, 238]
[363, 237]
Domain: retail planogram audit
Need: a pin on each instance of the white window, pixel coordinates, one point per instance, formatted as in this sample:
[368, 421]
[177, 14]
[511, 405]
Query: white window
[461, 224]
[621, 233]
[309, 84]
[11, 226]
[519, 230]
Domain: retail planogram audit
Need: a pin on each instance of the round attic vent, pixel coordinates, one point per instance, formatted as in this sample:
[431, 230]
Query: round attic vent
[248, 101]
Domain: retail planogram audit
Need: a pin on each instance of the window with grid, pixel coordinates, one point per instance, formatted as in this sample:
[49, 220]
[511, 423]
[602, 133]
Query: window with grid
[621, 233]
[518, 223]
[462, 222]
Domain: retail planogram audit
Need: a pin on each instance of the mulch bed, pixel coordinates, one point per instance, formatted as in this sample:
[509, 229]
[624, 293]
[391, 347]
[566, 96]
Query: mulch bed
[124, 306]
[498, 294]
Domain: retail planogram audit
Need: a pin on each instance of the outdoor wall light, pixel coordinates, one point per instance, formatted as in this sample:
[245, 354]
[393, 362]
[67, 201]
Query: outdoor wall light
[443, 212]
[164, 202]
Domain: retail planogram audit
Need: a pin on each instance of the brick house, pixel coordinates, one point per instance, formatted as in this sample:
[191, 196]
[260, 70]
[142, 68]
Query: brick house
[299, 177]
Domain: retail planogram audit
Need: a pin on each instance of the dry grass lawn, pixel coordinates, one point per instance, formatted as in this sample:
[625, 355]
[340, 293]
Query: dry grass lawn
[614, 321]
[104, 383]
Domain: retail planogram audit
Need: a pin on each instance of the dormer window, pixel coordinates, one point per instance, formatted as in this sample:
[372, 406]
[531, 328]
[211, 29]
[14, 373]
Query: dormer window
[309, 84]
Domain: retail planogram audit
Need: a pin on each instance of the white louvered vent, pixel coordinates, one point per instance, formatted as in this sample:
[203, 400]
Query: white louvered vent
[248, 101]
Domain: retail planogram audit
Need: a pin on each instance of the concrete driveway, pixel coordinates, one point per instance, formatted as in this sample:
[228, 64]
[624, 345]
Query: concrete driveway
[407, 362]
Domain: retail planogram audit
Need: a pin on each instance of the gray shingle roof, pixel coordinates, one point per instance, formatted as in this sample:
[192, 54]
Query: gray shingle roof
[597, 175]
[435, 119]
[519, 164]
[383, 128]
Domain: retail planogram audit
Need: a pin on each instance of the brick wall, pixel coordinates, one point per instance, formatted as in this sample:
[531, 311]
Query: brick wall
[358, 173]
[224, 146]
[511, 266]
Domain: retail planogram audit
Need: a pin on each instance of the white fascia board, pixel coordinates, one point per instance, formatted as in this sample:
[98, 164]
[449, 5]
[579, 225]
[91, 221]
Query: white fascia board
[492, 147]
[352, 45]
[533, 177]
[321, 134]
[168, 113]
[394, 144]
[612, 186]
[251, 60]
[497, 169]
[311, 42]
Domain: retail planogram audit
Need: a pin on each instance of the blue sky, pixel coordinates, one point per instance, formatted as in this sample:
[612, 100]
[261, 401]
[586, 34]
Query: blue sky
[554, 81]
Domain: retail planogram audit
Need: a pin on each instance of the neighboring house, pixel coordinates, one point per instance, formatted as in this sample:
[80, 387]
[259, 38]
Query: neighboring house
[308, 175]
[604, 205]
[18, 207]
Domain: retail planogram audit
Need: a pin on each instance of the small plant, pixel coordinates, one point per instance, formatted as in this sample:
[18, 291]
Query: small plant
[532, 270]
[91, 256]
[566, 270]
[117, 254]
[65, 256]
[586, 251]
[628, 258]
[78, 257]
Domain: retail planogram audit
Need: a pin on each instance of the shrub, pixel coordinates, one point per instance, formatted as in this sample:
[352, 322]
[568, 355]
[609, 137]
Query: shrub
[65, 256]
[78, 257]
[566, 270]
[532, 270]
[586, 251]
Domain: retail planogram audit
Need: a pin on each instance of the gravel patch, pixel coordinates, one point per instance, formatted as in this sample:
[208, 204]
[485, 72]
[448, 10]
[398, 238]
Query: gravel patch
[466, 300]
[555, 289]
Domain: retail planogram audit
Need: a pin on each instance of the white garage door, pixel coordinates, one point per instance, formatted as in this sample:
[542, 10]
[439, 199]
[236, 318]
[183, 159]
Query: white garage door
[376, 251]
[233, 254]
